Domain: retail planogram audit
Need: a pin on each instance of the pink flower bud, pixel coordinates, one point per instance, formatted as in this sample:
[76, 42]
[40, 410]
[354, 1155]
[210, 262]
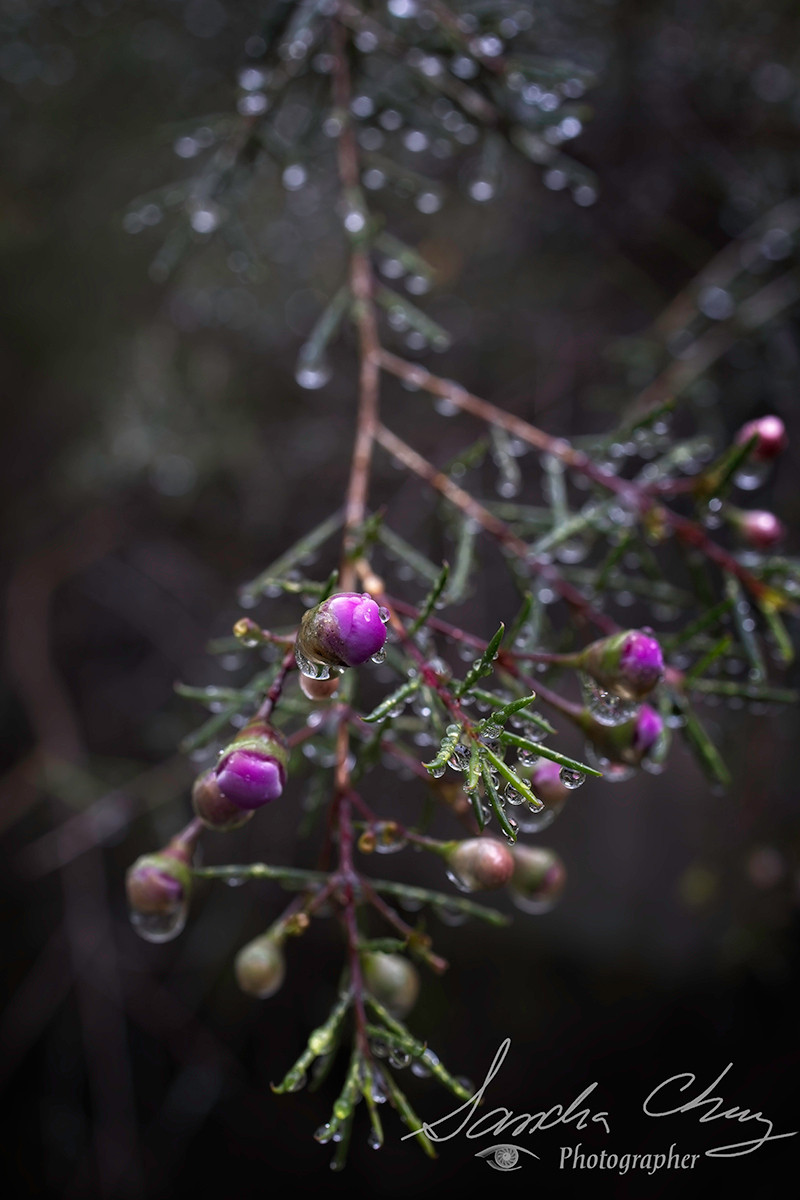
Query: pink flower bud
[252, 770]
[343, 631]
[771, 434]
[628, 742]
[479, 864]
[538, 879]
[760, 529]
[630, 664]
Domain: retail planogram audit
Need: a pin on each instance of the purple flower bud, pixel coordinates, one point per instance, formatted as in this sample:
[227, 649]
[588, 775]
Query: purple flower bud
[260, 967]
[252, 770]
[760, 529]
[158, 888]
[479, 864]
[393, 981]
[629, 664]
[213, 808]
[771, 434]
[628, 742]
[343, 631]
[538, 879]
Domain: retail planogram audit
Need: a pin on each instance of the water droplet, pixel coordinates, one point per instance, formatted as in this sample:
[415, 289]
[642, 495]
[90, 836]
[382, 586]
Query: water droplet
[298, 1083]
[437, 772]
[511, 795]
[310, 669]
[379, 657]
[571, 778]
[384, 615]
[460, 883]
[399, 1058]
[323, 1134]
[459, 760]
[373, 1141]
[526, 758]
[159, 927]
[204, 220]
[534, 820]
[235, 881]
[312, 375]
[751, 476]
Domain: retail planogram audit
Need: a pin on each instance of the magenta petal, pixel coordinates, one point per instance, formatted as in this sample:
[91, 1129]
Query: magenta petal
[359, 628]
[648, 729]
[250, 780]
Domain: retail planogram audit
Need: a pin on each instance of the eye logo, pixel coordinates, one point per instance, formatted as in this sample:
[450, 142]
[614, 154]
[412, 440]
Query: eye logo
[504, 1157]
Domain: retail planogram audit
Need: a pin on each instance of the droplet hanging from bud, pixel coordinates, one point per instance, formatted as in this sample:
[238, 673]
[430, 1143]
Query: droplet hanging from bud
[158, 888]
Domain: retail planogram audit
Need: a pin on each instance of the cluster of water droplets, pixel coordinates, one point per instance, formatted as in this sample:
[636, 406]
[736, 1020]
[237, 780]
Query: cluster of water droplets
[606, 706]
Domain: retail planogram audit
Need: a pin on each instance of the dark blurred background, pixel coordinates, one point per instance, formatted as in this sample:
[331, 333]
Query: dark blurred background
[158, 453]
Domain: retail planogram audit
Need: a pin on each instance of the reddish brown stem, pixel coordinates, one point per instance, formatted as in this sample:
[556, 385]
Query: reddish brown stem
[637, 498]
[494, 526]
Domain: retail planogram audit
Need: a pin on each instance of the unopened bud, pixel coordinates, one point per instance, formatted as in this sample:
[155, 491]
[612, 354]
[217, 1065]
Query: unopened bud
[260, 967]
[760, 529]
[538, 879]
[479, 864]
[343, 631]
[630, 664]
[252, 770]
[771, 434]
[213, 808]
[629, 742]
[158, 888]
[393, 981]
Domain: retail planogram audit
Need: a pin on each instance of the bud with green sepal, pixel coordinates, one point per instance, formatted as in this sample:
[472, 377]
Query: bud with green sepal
[158, 887]
[479, 864]
[260, 966]
[538, 879]
[392, 980]
[770, 434]
[629, 664]
[630, 742]
[252, 770]
[757, 527]
[343, 631]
